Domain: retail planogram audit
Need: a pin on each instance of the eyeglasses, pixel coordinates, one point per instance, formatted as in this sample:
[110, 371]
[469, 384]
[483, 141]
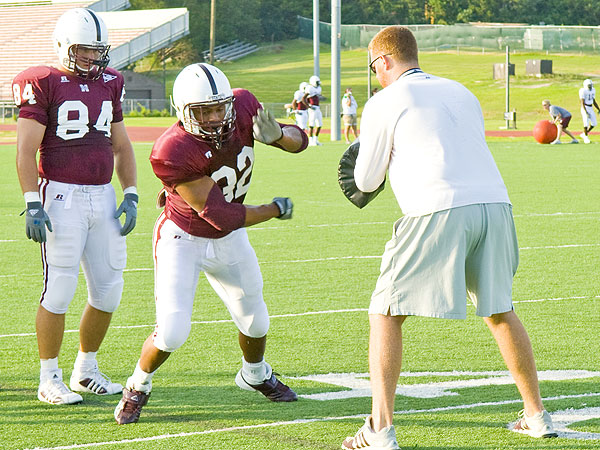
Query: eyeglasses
[373, 62]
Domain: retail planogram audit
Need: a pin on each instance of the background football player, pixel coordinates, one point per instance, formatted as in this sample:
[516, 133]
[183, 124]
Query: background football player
[205, 163]
[300, 106]
[587, 98]
[315, 116]
[72, 115]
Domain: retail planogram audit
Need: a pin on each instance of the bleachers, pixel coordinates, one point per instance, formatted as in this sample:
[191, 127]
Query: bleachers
[231, 51]
[26, 34]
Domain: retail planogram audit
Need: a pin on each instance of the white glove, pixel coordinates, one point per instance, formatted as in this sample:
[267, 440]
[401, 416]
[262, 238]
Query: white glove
[265, 128]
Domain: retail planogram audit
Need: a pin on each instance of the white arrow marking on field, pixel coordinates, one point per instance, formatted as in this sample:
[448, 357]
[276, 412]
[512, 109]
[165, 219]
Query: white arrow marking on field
[359, 385]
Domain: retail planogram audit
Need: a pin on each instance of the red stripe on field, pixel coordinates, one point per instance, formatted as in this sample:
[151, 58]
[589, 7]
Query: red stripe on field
[150, 134]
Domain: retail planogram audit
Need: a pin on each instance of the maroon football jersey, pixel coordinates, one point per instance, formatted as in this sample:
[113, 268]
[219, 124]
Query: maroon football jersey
[178, 157]
[78, 114]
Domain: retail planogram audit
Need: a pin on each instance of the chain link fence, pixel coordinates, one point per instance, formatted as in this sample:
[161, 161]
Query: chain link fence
[549, 38]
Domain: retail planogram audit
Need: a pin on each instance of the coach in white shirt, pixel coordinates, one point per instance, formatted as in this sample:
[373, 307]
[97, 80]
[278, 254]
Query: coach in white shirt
[457, 237]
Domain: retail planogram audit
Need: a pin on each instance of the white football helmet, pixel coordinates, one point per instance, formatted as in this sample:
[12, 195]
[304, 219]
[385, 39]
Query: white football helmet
[314, 81]
[203, 100]
[303, 85]
[587, 83]
[79, 30]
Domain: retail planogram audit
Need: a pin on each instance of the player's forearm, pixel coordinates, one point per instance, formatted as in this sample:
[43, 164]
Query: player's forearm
[28, 172]
[29, 138]
[291, 140]
[125, 167]
[260, 213]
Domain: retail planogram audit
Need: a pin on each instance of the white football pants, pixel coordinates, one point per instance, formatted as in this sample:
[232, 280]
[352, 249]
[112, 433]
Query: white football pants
[84, 230]
[229, 264]
[315, 117]
[589, 116]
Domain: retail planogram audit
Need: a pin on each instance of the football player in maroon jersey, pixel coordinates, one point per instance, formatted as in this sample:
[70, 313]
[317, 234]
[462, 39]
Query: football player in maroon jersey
[205, 163]
[72, 115]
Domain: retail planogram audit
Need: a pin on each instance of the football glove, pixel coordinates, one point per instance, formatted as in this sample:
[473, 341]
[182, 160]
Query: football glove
[346, 178]
[129, 207]
[36, 221]
[285, 206]
[265, 128]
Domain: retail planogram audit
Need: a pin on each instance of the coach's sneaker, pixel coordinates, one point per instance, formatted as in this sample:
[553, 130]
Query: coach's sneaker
[271, 387]
[90, 379]
[366, 438]
[537, 426]
[574, 141]
[52, 390]
[130, 406]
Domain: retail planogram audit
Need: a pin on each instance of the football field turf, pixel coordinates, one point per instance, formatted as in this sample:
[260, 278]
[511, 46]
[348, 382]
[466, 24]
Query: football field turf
[319, 270]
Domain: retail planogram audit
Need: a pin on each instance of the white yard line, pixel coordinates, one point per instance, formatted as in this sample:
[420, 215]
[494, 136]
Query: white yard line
[308, 313]
[330, 258]
[299, 422]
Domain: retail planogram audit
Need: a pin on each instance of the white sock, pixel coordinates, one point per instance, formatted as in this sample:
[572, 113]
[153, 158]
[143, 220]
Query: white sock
[49, 368]
[85, 359]
[140, 380]
[254, 373]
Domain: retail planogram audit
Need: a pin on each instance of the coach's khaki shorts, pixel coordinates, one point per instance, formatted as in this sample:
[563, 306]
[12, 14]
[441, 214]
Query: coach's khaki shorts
[349, 119]
[433, 262]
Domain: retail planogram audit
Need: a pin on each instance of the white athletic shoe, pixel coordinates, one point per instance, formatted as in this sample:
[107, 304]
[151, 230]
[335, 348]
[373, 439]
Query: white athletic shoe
[586, 140]
[537, 426]
[54, 391]
[556, 142]
[367, 439]
[93, 381]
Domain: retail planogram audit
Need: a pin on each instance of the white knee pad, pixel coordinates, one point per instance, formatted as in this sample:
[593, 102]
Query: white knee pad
[172, 331]
[251, 317]
[60, 289]
[106, 298]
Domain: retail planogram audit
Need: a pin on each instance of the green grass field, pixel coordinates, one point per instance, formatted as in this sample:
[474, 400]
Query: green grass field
[319, 270]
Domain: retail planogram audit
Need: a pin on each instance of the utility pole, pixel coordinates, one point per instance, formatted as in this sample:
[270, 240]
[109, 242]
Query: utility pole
[212, 31]
[507, 76]
[336, 37]
[316, 38]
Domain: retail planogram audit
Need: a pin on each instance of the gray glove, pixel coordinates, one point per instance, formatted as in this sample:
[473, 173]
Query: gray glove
[129, 207]
[265, 128]
[285, 206]
[36, 221]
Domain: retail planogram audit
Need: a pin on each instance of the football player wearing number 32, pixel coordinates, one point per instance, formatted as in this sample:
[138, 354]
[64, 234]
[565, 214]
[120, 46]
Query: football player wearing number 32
[205, 163]
[72, 115]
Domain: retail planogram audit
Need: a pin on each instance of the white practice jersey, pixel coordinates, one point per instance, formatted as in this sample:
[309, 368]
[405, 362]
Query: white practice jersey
[587, 95]
[313, 91]
[429, 132]
[298, 95]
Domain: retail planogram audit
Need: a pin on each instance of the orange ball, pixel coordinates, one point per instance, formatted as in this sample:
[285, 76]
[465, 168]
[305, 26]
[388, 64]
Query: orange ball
[544, 132]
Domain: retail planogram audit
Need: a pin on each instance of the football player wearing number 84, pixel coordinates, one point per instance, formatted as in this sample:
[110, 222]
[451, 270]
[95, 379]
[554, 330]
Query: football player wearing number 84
[205, 163]
[72, 115]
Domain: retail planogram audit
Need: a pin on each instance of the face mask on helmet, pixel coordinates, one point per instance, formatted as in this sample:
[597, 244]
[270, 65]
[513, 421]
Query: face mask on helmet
[588, 84]
[88, 61]
[81, 43]
[203, 100]
[314, 81]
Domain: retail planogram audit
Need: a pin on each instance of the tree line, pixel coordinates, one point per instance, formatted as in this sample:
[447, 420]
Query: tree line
[274, 20]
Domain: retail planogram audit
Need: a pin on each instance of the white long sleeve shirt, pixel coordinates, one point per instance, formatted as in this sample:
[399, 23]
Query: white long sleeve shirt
[428, 133]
